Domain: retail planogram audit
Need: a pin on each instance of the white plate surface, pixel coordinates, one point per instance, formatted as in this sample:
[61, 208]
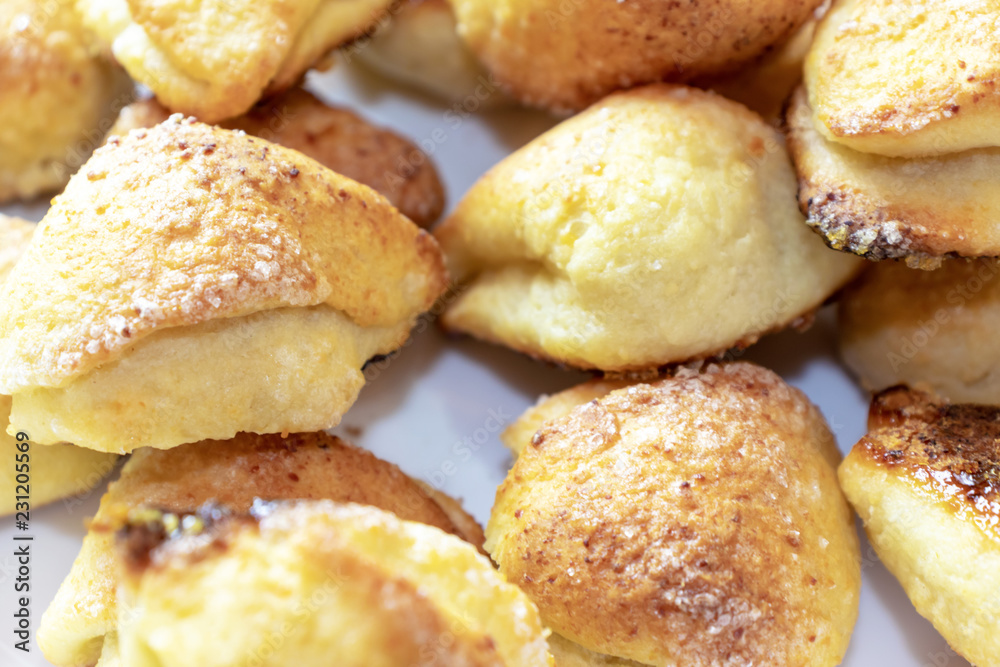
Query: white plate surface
[435, 409]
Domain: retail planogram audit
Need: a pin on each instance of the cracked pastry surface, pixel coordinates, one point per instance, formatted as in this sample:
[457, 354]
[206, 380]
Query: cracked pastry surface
[59, 94]
[691, 520]
[80, 626]
[937, 328]
[241, 244]
[657, 226]
[392, 591]
[336, 138]
[215, 59]
[565, 56]
[925, 482]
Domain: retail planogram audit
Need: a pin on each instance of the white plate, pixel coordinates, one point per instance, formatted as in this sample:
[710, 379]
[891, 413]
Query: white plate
[435, 408]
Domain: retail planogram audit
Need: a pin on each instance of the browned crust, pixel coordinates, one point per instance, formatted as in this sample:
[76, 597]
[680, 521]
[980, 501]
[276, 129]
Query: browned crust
[629, 525]
[142, 532]
[150, 543]
[463, 523]
[185, 223]
[336, 138]
[845, 219]
[348, 144]
[564, 57]
[949, 450]
[229, 477]
[949, 87]
[852, 221]
[307, 466]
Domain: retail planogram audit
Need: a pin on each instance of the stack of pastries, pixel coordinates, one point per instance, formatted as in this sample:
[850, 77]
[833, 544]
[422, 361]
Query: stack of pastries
[225, 251]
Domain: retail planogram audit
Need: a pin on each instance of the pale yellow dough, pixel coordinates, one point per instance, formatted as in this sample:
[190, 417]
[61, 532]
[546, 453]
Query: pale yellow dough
[83, 617]
[57, 472]
[908, 79]
[195, 282]
[658, 226]
[293, 369]
[336, 580]
[923, 481]
[15, 235]
[58, 97]
[215, 59]
[934, 328]
[420, 47]
[694, 520]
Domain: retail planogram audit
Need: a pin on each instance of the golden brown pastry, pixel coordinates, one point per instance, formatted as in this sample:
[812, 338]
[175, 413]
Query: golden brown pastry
[935, 328]
[231, 473]
[657, 226]
[764, 86]
[924, 481]
[421, 48]
[906, 79]
[918, 209]
[695, 520]
[215, 59]
[516, 436]
[564, 56]
[194, 282]
[334, 137]
[52, 472]
[892, 135]
[351, 584]
[57, 96]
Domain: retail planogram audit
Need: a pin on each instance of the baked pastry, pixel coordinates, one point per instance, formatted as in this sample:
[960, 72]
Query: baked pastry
[334, 137]
[58, 95]
[933, 328]
[215, 59]
[897, 109]
[657, 226]
[565, 56]
[924, 481]
[516, 436]
[892, 208]
[907, 79]
[421, 48]
[765, 85]
[232, 473]
[694, 520]
[55, 472]
[193, 282]
[352, 582]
